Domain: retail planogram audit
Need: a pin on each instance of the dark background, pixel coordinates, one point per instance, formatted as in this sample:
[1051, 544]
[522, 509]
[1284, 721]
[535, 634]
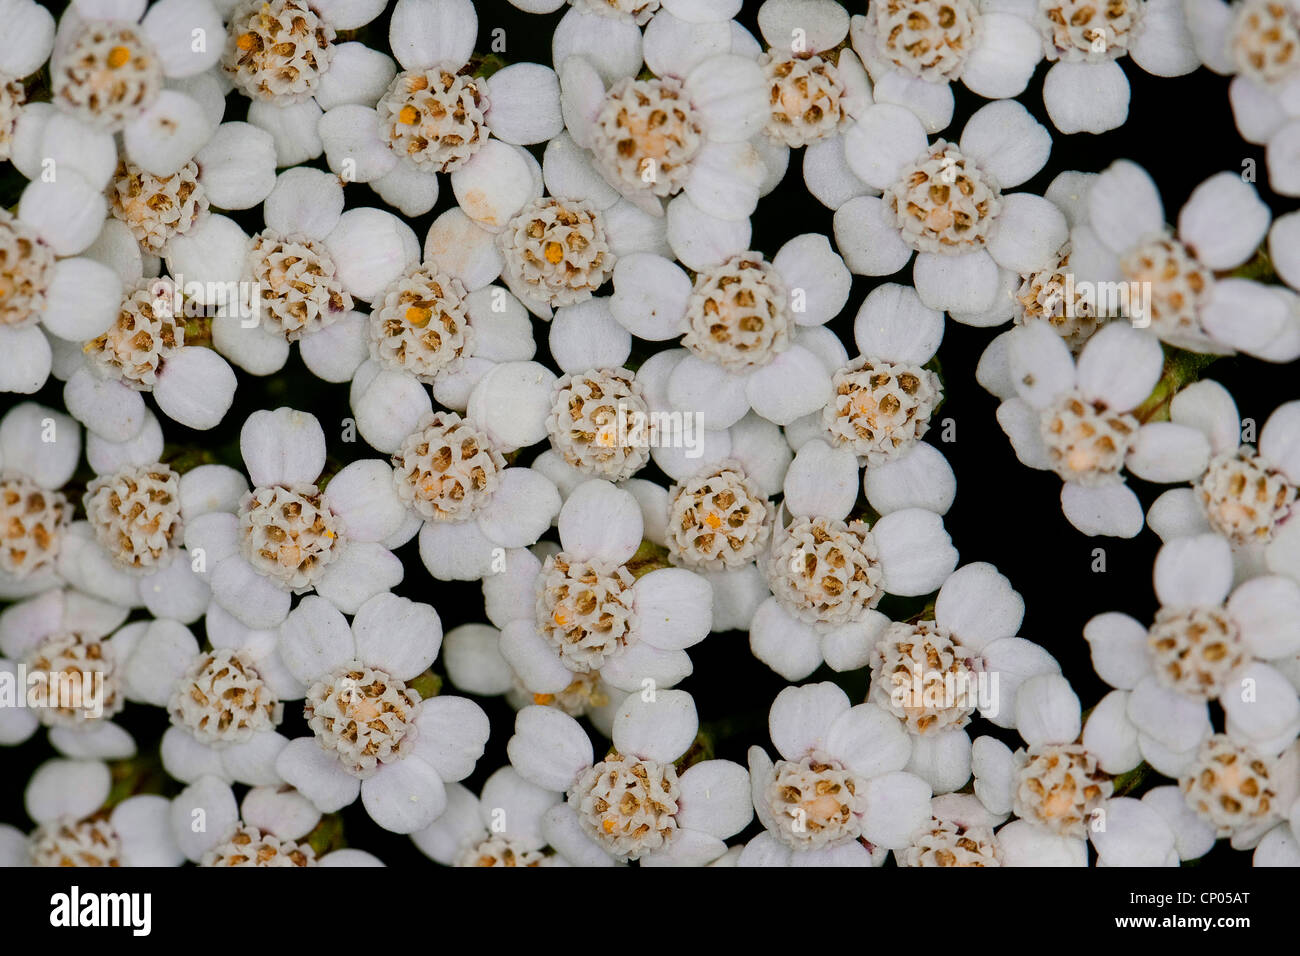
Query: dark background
[1180, 130]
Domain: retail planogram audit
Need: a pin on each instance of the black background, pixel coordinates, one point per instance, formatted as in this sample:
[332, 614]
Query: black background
[1180, 130]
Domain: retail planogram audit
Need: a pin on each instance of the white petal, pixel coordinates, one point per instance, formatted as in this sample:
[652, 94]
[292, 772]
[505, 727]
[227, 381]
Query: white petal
[1086, 97]
[195, 387]
[916, 554]
[1119, 649]
[1027, 234]
[921, 478]
[978, 605]
[494, 185]
[1224, 221]
[524, 104]
[511, 403]
[963, 283]
[789, 647]
[792, 385]
[867, 239]
[822, 481]
[804, 719]
[317, 775]
[1111, 509]
[600, 521]
[1194, 571]
[549, 748]
[453, 731]
[428, 33]
[1124, 205]
[1120, 365]
[282, 447]
[168, 134]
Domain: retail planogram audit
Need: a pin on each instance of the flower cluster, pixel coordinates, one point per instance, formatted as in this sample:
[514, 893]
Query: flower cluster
[548, 357]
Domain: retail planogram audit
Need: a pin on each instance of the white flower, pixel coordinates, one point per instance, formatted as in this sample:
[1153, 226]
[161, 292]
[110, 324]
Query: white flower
[960, 833]
[945, 201]
[284, 56]
[1077, 419]
[374, 736]
[52, 291]
[1254, 42]
[39, 451]
[111, 71]
[298, 279]
[838, 795]
[1123, 241]
[745, 323]
[225, 703]
[1244, 494]
[827, 573]
[934, 675]
[700, 146]
[433, 325]
[500, 827]
[1086, 90]
[915, 49]
[1062, 791]
[234, 170]
[472, 656]
[26, 45]
[582, 609]
[144, 352]
[265, 830]
[632, 804]
[66, 799]
[433, 118]
[130, 548]
[883, 401]
[1205, 644]
[289, 537]
[467, 506]
[64, 632]
[1238, 791]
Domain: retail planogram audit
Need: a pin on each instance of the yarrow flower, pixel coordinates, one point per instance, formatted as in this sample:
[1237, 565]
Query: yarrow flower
[1244, 494]
[501, 827]
[744, 324]
[74, 827]
[946, 202]
[827, 572]
[110, 68]
[1078, 420]
[633, 804]
[436, 117]
[584, 610]
[838, 794]
[39, 452]
[287, 536]
[374, 735]
[69, 639]
[266, 830]
[653, 138]
[1174, 280]
[1208, 642]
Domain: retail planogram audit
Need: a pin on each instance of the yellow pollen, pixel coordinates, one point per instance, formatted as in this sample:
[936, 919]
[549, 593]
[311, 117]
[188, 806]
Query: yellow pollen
[543, 699]
[713, 521]
[560, 618]
[418, 315]
[554, 252]
[119, 56]
[408, 115]
[246, 42]
[608, 825]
